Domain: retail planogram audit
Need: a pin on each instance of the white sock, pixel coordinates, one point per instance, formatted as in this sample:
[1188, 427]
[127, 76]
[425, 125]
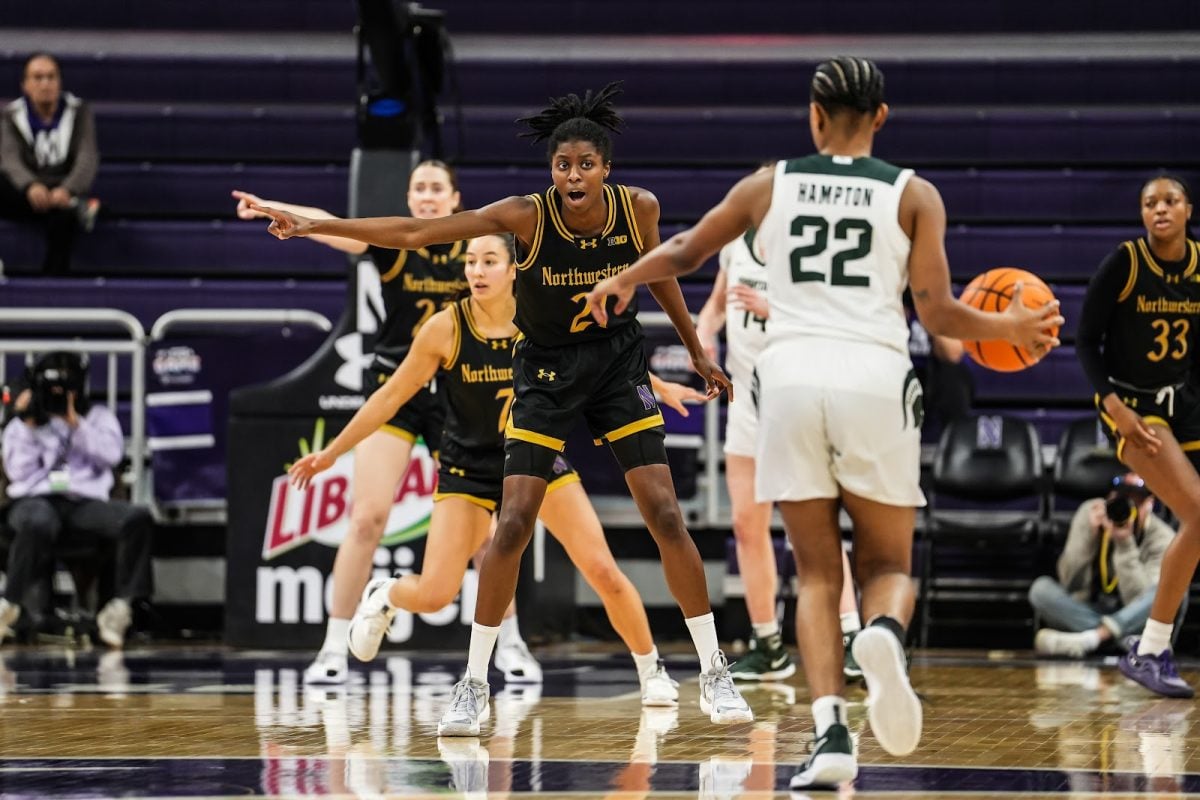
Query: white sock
[479, 654]
[828, 710]
[335, 636]
[646, 662]
[510, 631]
[765, 630]
[1156, 637]
[850, 622]
[704, 635]
[1090, 640]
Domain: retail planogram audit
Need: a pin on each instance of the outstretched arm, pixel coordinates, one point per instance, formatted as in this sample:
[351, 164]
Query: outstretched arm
[923, 218]
[711, 319]
[744, 207]
[429, 350]
[515, 215]
[245, 211]
[670, 297]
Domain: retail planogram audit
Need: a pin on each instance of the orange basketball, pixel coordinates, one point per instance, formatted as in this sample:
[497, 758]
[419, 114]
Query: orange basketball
[992, 291]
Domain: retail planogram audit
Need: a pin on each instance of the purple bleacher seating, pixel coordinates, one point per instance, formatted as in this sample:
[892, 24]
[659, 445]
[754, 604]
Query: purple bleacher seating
[1057, 377]
[685, 193]
[150, 298]
[627, 16]
[736, 136]
[236, 248]
[650, 79]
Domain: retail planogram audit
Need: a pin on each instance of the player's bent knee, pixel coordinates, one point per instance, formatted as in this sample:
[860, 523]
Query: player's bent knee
[640, 449]
[367, 524]
[603, 576]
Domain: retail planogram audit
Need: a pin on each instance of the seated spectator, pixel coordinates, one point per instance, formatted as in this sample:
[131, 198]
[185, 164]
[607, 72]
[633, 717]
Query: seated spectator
[59, 453]
[1106, 574]
[48, 160]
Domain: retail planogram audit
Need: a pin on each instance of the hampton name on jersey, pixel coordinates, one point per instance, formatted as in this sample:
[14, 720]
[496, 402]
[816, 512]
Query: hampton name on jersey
[416, 284]
[745, 331]
[554, 277]
[837, 258]
[477, 384]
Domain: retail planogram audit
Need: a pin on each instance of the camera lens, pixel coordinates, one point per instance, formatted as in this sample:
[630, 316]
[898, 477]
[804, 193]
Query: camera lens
[1119, 510]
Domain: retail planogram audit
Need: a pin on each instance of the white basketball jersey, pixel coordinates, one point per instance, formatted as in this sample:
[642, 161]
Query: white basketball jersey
[837, 258]
[745, 331]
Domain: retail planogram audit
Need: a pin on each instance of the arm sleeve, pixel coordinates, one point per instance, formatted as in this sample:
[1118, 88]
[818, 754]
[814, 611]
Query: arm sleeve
[87, 156]
[1098, 304]
[11, 163]
[24, 454]
[98, 437]
[1077, 554]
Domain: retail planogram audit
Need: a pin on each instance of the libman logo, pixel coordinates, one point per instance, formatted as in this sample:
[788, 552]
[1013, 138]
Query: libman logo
[321, 513]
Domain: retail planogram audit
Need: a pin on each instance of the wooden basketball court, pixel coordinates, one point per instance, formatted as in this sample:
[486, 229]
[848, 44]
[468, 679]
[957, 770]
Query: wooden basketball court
[220, 723]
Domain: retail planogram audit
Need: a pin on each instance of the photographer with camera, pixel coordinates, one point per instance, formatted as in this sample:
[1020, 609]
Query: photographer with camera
[1107, 572]
[59, 453]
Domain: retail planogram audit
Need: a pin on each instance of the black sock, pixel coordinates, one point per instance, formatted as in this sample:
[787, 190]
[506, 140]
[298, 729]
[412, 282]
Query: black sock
[892, 625]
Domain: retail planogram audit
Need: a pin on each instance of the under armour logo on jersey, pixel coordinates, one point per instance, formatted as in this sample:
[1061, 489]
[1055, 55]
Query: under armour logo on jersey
[459, 472]
[646, 395]
[1172, 278]
[584, 244]
[440, 258]
[498, 344]
[545, 375]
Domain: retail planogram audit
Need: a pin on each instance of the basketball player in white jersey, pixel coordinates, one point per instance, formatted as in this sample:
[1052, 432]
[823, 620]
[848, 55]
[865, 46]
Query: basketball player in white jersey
[738, 304]
[839, 405]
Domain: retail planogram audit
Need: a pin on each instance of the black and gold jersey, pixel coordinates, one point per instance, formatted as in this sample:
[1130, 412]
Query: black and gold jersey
[477, 384]
[1138, 325]
[416, 284]
[559, 269]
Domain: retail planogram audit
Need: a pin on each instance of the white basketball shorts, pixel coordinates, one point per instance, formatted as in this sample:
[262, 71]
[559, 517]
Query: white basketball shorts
[836, 413]
[741, 422]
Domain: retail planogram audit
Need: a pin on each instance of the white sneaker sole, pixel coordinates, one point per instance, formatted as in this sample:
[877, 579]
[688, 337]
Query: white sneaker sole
[762, 677]
[894, 710]
[464, 729]
[365, 653]
[659, 702]
[827, 771]
[325, 680]
[726, 717]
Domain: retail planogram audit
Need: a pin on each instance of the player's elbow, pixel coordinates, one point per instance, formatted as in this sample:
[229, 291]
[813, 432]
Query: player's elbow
[937, 316]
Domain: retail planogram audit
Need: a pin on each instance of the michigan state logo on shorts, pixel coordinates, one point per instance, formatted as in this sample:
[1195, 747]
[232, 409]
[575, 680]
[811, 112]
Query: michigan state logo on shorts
[914, 400]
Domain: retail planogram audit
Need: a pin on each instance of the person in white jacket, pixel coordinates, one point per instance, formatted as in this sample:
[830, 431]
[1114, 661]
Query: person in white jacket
[1107, 572]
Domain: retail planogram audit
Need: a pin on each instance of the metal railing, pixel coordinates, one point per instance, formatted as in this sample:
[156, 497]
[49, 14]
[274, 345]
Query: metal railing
[134, 347]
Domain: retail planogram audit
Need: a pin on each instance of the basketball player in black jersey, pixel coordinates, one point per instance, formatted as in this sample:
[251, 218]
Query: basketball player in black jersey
[567, 365]
[414, 284]
[1137, 342]
[469, 347]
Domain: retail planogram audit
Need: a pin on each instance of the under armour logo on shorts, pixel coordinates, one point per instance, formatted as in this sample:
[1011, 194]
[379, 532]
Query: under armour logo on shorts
[545, 375]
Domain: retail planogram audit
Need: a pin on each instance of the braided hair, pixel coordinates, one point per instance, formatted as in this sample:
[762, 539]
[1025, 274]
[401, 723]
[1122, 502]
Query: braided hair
[573, 118]
[848, 84]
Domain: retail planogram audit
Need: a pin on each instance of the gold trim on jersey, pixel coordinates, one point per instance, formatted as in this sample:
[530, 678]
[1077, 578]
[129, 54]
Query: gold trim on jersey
[456, 250]
[1157, 270]
[538, 231]
[610, 199]
[634, 427]
[399, 433]
[394, 270]
[449, 363]
[532, 437]
[563, 480]
[468, 314]
[631, 217]
[486, 505]
[1133, 269]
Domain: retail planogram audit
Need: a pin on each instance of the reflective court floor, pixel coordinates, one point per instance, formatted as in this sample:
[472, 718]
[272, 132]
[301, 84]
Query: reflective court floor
[219, 723]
